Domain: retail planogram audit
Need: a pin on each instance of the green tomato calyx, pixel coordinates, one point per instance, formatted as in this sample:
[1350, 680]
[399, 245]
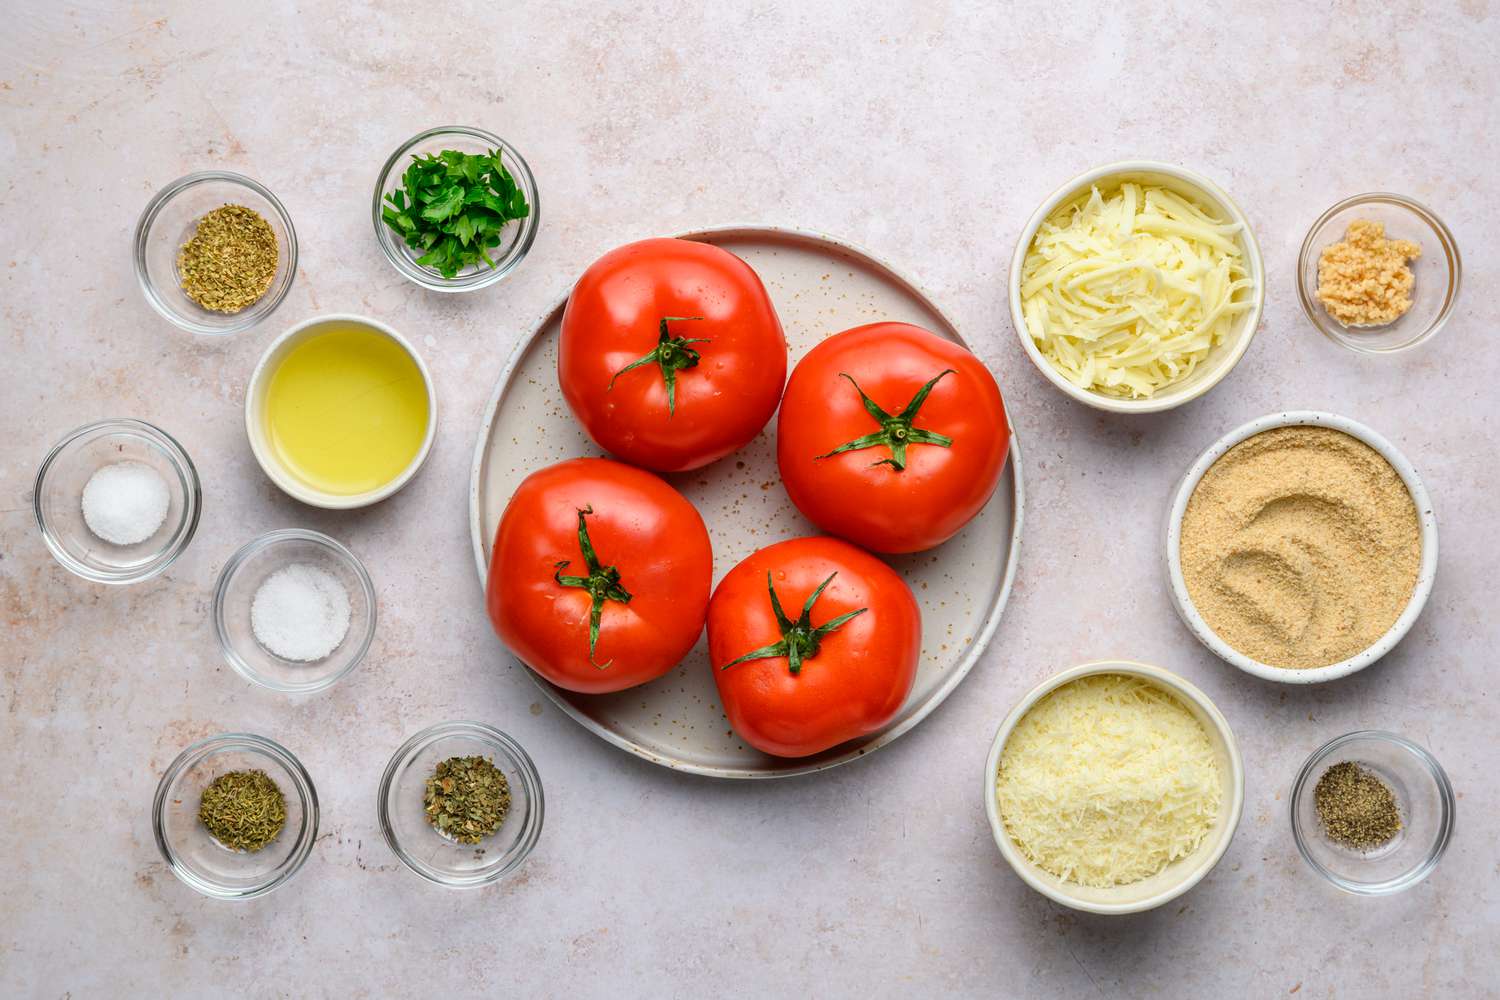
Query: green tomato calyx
[800, 640]
[671, 354]
[602, 583]
[896, 430]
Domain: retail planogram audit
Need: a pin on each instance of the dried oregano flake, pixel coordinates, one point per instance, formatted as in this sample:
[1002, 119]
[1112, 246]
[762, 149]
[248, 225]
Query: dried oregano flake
[230, 261]
[467, 798]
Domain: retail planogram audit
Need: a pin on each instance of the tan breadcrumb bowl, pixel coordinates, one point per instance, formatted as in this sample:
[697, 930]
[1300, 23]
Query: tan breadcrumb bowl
[1356, 659]
[1300, 546]
[1178, 876]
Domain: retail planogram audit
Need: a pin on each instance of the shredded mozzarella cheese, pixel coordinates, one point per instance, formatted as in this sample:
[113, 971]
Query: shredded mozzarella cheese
[1107, 780]
[1125, 293]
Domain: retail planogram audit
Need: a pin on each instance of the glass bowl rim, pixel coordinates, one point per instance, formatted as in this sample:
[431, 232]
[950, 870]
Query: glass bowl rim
[502, 743]
[259, 544]
[1329, 327]
[307, 794]
[154, 208]
[192, 503]
[426, 277]
[1446, 800]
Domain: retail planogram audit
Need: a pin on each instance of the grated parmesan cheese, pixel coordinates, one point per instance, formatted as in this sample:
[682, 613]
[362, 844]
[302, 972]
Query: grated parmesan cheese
[1107, 780]
[1125, 293]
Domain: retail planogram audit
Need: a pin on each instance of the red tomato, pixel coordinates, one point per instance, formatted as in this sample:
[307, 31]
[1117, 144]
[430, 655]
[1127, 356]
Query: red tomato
[671, 355]
[813, 642]
[891, 437]
[600, 575]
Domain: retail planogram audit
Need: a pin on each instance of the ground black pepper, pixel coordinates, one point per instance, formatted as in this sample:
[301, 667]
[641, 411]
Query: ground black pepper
[1358, 809]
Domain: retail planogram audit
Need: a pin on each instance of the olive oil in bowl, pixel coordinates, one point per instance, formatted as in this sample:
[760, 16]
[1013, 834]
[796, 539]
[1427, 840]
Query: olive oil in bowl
[346, 410]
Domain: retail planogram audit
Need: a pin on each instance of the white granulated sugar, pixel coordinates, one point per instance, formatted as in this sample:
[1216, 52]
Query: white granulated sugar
[300, 612]
[125, 503]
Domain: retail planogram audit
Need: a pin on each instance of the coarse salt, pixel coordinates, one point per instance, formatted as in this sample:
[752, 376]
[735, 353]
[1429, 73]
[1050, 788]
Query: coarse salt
[124, 503]
[300, 612]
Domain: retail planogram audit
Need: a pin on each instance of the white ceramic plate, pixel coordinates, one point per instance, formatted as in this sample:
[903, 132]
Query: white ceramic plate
[820, 286]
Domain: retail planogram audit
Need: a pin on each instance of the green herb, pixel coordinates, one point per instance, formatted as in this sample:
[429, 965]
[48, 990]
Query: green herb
[602, 583]
[229, 262]
[1358, 810]
[800, 640]
[467, 798]
[896, 431]
[244, 810]
[451, 207]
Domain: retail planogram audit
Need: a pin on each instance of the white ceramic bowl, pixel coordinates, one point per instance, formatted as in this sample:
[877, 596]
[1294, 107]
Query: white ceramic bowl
[255, 423]
[1425, 573]
[1179, 876]
[1222, 357]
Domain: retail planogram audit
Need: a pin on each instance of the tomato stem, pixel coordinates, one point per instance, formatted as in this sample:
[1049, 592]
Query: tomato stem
[671, 354]
[799, 640]
[602, 583]
[896, 431]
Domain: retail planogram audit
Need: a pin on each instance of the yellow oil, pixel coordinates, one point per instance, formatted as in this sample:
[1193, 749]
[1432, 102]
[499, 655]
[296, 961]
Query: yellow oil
[346, 410]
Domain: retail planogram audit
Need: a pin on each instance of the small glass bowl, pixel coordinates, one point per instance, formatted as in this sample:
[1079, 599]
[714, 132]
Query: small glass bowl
[242, 576]
[517, 236]
[1438, 272]
[195, 856]
[58, 500]
[417, 843]
[170, 220]
[1423, 795]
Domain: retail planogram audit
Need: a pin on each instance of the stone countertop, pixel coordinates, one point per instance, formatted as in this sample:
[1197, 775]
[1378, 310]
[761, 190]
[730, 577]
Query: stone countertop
[928, 134]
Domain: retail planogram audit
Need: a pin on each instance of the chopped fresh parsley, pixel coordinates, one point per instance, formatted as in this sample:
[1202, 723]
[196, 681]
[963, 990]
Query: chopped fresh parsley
[451, 207]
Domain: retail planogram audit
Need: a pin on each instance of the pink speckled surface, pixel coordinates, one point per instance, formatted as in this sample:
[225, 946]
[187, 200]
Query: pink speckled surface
[927, 134]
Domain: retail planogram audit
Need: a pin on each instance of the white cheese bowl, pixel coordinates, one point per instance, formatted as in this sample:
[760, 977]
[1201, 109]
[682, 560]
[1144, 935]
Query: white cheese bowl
[1426, 570]
[1177, 877]
[1222, 357]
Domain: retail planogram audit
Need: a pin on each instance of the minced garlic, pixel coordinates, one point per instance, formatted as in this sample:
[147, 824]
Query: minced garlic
[1364, 279]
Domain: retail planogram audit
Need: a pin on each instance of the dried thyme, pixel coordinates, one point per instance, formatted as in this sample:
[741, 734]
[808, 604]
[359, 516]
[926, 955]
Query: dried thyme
[230, 260]
[467, 798]
[1358, 810]
[244, 810]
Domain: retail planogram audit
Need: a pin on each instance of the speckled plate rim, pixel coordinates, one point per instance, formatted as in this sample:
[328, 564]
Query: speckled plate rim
[1426, 572]
[854, 750]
